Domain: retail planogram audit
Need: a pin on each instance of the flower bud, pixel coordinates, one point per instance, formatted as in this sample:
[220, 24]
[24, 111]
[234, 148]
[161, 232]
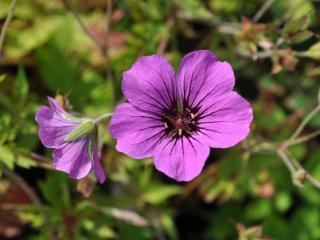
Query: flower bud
[314, 51]
[299, 178]
[295, 25]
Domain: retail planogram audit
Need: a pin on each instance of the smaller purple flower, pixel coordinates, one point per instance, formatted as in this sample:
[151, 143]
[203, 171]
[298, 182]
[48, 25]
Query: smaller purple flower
[73, 140]
[177, 118]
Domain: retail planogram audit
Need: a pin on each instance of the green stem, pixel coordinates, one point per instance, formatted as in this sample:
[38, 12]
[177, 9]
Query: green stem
[286, 161]
[304, 123]
[262, 10]
[308, 176]
[303, 139]
[6, 23]
[102, 118]
[83, 27]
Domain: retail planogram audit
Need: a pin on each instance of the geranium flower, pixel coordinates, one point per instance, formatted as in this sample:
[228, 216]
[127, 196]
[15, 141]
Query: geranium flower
[176, 119]
[73, 140]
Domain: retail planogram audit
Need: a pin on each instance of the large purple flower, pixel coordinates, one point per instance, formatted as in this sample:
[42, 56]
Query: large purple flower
[176, 119]
[75, 157]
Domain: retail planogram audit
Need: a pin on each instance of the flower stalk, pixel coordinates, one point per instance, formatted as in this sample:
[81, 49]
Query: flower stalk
[102, 118]
[298, 173]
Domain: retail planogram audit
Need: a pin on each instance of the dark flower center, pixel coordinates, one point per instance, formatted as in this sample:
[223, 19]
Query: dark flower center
[181, 122]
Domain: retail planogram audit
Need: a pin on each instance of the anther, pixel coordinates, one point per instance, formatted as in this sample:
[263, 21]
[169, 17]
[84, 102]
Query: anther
[180, 132]
[166, 125]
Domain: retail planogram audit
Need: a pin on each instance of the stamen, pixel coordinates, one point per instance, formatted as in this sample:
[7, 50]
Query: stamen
[180, 122]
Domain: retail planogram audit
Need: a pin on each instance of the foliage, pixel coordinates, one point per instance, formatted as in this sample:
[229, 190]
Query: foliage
[245, 192]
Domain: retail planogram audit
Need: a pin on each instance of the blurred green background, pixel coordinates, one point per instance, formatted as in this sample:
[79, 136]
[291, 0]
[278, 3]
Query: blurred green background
[78, 50]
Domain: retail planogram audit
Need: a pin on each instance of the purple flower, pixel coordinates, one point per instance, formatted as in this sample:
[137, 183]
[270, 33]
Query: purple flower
[75, 156]
[176, 119]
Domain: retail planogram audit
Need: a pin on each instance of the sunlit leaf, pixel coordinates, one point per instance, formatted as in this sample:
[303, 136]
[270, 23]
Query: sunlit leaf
[159, 194]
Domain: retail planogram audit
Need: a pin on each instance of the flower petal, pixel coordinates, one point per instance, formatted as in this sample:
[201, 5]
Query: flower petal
[226, 121]
[136, 131]
[97, 168]
[181, 158]
[53, 127]
[150, 84]
[55, 105]
[202, 75]
[73, 158]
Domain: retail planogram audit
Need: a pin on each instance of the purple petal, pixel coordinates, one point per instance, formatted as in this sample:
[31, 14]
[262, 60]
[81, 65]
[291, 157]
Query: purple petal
[202, 75]
[55, 105]
[136, 131]
[53, 127]
[97, 168]
[73, 158]
[226, 120]
[150, 84]
[181, 158]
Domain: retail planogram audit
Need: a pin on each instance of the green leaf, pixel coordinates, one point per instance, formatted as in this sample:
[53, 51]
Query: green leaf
[32, 37]
[283, 201]
[34, 218]
[301, 36]
[295, 25]
[169, 226]
[21, 85]
[194, 9]
[158, 194]
[25, 162]
[105, 232]
[2, 77]
[7, 157]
